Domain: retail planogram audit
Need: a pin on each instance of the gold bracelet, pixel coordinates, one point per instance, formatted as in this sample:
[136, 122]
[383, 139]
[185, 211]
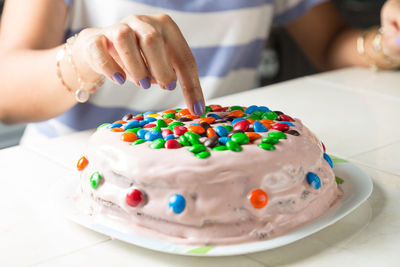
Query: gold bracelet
[377, 45]
[82, 93]
[362, 51]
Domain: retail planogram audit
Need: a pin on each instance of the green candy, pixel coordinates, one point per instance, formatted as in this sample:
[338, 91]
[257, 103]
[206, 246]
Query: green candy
[101, 126]
[95, 180]
[233, 146]
[237, 108]
[240, 138]
[183, 140]
[158, 143]
[270, 140]
[228, 127]
[257, 113]
[156, 128]
[139, 115]
[220, 148]
[193, 138]
[169, 115]
[133, 130]
[208, 109]
[256, 118]
[266, 146]
[270, 115]
[278, 135]
[161, 123]
[138, 142]
[174, 124]
[197, 148]
[203, 154]
[178, 109]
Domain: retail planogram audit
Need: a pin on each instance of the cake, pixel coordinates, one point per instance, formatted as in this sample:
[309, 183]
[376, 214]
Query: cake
[233, 175]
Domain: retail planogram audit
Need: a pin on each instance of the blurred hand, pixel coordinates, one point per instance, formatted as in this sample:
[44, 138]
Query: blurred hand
[390, 20]
[144, 49]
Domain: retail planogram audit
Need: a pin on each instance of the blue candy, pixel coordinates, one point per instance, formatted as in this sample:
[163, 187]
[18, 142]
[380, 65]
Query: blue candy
[169, 137]
[251, 109]
[221, 131]
[264, 109]
[223, 140]
[131, 124]
[313, 180]
[152, 135]
[147, 113]
[213, 115]
[141, 133]
[150, 119]
[195, 123]
[177, 203]
[258, 127]
[328, 159]
[114, 125]
[236, 120]
[142, 123]
[287, 122]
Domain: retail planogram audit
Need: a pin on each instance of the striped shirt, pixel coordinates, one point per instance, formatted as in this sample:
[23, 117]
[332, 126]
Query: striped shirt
[226, 39]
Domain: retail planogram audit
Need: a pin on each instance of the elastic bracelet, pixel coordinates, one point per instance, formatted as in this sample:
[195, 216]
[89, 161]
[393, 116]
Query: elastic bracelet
[83, 92]
[362, 52]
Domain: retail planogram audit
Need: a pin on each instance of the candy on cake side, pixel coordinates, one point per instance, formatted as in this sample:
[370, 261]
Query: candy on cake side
[234, 175]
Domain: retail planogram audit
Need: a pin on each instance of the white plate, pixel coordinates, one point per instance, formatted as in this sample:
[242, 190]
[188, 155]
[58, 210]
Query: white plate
[357, 187]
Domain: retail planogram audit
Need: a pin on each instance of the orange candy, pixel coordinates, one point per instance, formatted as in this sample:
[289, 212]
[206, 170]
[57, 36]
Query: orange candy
[196, 129]
[184, 112]
[251, 121]
[192, 117]
[209, 120]
[267, 123]
[117, 129]
[236, 113]
[122, 122]
[253, 136]
[129, 137]
[211, 132]
[169, 111]
[82, 162]
[258, 198]
[168, 121]
[215, 106]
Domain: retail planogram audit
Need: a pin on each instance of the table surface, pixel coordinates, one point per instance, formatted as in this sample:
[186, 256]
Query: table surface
[354, 111]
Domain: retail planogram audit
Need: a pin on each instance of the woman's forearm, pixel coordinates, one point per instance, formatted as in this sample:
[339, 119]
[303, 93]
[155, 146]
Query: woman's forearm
[29, 87]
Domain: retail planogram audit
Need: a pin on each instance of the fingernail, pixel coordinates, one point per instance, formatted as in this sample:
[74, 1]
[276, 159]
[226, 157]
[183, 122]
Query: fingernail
[398, 40]
[198, 108]
[145, 83]
[119, 78]
[171, 86]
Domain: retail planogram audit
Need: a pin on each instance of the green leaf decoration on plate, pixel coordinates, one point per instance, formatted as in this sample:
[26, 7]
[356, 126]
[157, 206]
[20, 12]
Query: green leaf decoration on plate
[339, 180]
[201, 250]
[336, 159]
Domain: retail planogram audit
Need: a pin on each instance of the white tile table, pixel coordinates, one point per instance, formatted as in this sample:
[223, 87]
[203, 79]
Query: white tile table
[355, 112]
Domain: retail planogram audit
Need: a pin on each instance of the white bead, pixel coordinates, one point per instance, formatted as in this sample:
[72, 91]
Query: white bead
[81, 95]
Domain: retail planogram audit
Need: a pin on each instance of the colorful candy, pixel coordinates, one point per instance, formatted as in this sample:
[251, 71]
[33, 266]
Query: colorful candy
[266, 146]
[240, 138]
[82, 163]
[221, 131]
[157, 144]
[258, 198]
[129, 137]
[233, 146]
[177, 203]
[152, 135]
[242, 125]
[313, 180]
[95, 180]
[328, 159]
[172, 144]
[196, 129]
[281, 127]
[203, 154]
[134, 197]
[258, 127]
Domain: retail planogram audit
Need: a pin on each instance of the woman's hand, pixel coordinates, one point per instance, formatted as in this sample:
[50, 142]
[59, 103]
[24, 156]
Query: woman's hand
[390, 20]
[143, 49]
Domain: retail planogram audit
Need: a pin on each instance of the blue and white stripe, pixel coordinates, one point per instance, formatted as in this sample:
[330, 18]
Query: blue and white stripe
[226, 38]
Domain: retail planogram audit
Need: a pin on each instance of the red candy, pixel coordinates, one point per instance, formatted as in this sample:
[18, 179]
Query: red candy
[172, 144]
[137, 118]
[258, 198]
[241, 125]
[180, 130]
[82, 162]
[134, 198]
[149, 125]
[284, 117]
[323, 146]
[280, 127]
[166, 132]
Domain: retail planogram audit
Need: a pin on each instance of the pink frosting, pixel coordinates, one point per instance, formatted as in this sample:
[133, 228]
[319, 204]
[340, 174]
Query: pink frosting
[216, 189]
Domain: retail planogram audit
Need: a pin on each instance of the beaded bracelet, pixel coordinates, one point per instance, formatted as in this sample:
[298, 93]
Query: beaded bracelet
[81, 94]
[362, 51]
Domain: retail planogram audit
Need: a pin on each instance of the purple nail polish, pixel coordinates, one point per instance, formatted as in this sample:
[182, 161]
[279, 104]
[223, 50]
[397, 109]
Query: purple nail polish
[171, 86]
[145, 83]
[398, 40]
[198, 108]
[119, 78]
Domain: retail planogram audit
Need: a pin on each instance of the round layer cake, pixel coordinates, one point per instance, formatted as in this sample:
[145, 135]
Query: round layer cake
[233, 175]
